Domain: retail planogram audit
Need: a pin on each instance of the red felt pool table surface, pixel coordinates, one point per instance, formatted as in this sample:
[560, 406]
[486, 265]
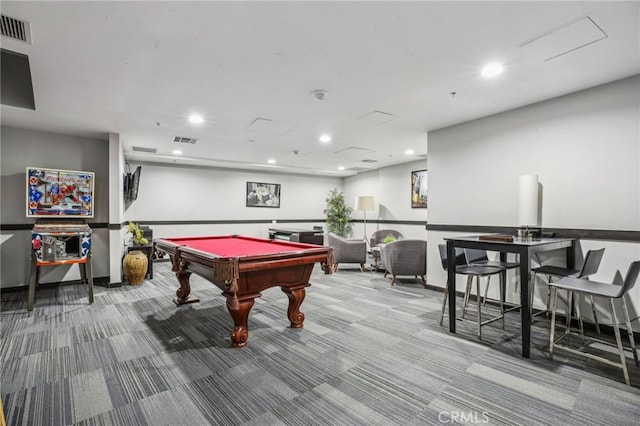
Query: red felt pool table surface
[238, 246]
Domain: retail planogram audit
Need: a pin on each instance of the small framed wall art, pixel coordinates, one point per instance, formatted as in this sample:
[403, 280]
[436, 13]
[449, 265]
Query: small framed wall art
[419, 189]
[260, 194]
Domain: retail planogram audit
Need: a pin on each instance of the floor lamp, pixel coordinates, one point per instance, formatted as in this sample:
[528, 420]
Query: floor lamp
[364, 203]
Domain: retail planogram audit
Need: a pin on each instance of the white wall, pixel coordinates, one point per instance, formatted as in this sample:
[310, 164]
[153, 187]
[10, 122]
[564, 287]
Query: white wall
[585, 148]
[20, 148]
[391, 188]
[172, 193]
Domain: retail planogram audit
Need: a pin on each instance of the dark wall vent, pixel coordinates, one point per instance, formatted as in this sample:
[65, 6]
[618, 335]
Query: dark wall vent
[144, 149]
[15, 29]
[184, 139]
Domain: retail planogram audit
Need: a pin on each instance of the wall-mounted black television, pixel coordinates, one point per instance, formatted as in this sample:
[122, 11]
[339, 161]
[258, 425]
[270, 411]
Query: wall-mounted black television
[59, 193]
[131, 184]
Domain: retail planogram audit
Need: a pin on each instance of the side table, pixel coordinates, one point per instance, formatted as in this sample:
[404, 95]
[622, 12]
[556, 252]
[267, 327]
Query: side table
[376, 254]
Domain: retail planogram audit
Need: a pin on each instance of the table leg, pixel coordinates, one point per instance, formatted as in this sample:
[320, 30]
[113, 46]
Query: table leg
[525, 306]
[87, 272]
[182, 294]
[451, 280]
[296, 297]
[240, 316]
[571, 255]
[33, 282]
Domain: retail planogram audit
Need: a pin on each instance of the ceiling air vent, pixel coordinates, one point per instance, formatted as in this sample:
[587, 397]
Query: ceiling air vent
[144, 149]
[15, 29]
[184, 139]
[369, 161]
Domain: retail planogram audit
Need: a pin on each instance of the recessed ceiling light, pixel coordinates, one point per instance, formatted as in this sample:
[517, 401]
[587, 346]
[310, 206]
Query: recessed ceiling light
[176, 152]
[409, 152]
[325, 138]
[341, 168]
[492, 70]
[271, 161]
[196, 119]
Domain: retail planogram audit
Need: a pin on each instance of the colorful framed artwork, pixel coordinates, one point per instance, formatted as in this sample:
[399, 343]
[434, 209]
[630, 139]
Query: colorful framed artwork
[59, 193]
[260, 194]
[419, 189]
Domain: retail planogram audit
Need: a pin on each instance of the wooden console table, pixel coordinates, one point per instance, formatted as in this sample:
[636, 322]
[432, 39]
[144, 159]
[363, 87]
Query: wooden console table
[308, 236]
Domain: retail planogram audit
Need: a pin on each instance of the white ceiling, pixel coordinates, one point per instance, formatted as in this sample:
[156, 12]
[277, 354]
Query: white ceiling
[139, 68]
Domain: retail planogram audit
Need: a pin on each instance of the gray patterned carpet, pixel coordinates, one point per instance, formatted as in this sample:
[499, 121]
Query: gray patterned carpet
[368, 354]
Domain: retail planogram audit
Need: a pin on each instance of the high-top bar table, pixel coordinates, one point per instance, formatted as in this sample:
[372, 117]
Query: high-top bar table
[525, 248]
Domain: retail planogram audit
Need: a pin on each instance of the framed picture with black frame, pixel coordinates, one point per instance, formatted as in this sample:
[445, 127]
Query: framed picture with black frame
[260, 194]
[419, 189]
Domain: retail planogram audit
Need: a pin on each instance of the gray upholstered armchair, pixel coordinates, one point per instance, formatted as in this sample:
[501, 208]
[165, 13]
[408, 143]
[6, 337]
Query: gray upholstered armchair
[347, 251]
[378, 236]
[405, 257]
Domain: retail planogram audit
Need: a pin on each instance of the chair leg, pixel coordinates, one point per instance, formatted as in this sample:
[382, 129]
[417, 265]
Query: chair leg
[568, 314]
[467, 294]
[486, 291]
[595, 315]
[630, 332]
[552, 334]
[424, 281]
[549, 278]
[623, 360]
[579, 314]
[393, 279]
[548, 300]
[502, 284]
[444, 302]
[479, 307]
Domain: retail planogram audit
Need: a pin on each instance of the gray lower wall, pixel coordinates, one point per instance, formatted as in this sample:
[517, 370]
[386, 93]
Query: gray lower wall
[20, 148]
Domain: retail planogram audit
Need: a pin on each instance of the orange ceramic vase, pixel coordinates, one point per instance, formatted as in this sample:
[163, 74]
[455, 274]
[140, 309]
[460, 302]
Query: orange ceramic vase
[135, 267]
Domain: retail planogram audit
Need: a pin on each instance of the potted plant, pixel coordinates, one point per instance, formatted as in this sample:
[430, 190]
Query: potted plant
[338, 214]
[388, 239]
[137, 235]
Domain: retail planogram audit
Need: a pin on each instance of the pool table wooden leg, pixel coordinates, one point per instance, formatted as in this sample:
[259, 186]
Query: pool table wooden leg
[240, 315]
[296, 297]
[182, 294]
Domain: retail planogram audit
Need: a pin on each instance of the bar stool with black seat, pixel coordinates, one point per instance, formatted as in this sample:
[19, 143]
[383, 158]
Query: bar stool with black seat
[471, 271]
[605, 291]
[589, 267]
[481, 258]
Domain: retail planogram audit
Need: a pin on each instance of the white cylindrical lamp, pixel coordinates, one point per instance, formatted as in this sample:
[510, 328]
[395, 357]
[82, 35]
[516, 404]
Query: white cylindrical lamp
[528, 202]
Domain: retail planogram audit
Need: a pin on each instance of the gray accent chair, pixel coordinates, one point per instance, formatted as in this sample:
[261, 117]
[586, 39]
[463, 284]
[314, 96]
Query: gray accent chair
[347, 251]
[378, 236]
[405, 257]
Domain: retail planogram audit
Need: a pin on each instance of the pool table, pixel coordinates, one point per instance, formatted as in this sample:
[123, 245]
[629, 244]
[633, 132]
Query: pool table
[242, 267]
